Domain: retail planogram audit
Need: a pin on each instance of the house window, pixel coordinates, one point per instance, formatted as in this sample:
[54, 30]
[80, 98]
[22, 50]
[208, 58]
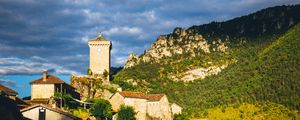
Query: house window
[42, 114]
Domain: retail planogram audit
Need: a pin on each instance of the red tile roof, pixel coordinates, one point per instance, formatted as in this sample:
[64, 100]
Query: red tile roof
[51, 79]
[38, 101]
[7, 90]
[150, 97]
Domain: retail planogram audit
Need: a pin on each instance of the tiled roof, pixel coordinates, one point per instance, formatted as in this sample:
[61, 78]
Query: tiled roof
[150, 97]
[7, 90]
[155, 97]
[38, 101]
[51, 79]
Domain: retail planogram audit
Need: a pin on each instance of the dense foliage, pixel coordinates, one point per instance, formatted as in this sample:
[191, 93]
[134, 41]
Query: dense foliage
[101, 109]
[265, 75]
[274, 20]
[246, 111]
[81, 113]
[181, 117]
[126, 113]
[67, 100]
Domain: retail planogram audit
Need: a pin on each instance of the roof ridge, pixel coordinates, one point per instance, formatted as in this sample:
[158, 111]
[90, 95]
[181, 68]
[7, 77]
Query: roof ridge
[7, 90]
[51, 79]
[141, 95]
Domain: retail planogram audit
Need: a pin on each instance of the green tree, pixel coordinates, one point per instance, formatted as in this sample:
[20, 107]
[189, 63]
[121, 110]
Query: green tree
[126, 113]
[105, 74]
[181, 117]
[89, 72]
[102, 109]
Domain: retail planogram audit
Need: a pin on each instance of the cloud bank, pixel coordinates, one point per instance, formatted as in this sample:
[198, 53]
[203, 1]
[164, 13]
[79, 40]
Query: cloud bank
[52, 34]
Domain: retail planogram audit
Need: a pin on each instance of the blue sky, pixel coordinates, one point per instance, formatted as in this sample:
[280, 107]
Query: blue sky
[38, 35]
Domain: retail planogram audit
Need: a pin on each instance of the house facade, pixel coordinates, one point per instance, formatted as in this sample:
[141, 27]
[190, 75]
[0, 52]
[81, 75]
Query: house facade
[43, 112]
[48, 85]
[147, 106]
[176, 109]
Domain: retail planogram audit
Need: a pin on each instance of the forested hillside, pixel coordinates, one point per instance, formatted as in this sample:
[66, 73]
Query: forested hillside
[261, 74]
[269, 21]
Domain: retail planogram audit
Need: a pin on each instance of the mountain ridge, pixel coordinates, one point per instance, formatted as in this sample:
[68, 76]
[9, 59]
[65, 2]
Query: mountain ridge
[269, 21]
[259, 70]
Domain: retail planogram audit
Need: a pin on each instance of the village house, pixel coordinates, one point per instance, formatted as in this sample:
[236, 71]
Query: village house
[11, 94]
[44, 112]
[147, 106]
[8, 92]
[43, 103]
[43, 89]
[176, 109]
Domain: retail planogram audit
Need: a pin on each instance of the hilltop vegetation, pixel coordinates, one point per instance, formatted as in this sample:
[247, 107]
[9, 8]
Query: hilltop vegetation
[269, 21]
[262, 69]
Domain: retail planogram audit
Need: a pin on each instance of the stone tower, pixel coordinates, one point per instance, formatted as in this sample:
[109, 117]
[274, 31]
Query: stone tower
[100, 55]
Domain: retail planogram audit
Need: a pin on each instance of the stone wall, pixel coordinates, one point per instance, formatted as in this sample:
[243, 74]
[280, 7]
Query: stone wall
[99, 56]
[176, 109]
[42, 90]
[139, 105]
[116, 101]
[143, 107]
[165, 108]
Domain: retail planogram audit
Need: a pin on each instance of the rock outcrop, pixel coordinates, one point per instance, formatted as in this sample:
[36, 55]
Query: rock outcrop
[187, 44]
[91, 87]
[179, 42]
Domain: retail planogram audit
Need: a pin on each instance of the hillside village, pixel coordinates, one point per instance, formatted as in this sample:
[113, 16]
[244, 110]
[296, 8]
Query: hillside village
[243, 68]
[48, 93]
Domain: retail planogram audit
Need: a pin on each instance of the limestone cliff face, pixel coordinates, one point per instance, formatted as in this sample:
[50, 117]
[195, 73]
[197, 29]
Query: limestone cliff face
[187, 43]
[179, 42]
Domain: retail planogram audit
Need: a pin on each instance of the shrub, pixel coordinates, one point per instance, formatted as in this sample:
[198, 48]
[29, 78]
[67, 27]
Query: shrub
[102, 109]
[126, 113]
[181, 117]
[81, 113]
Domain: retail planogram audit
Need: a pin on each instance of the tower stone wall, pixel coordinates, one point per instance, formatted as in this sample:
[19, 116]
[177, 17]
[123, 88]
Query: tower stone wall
[100, 55]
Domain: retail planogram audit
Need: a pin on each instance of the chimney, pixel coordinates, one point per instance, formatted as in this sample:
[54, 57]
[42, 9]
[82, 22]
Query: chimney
[45, 76]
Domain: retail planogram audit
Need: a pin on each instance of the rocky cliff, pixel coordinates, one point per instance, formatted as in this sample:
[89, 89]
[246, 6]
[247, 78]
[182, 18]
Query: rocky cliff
[259, 64]
[202, 42]
[180, 42]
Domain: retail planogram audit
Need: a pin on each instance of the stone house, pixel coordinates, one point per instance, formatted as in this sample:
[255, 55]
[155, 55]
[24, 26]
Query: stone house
[43, 112]
[147, 106]
[176, 109]
[43, 89]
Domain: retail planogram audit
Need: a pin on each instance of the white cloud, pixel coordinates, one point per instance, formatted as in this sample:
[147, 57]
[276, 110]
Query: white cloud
[20, 66]
[84, 39]
[123, 31]
[80, 2]
[120, 60]
[94, 17]
[149, 15]
[9, 83]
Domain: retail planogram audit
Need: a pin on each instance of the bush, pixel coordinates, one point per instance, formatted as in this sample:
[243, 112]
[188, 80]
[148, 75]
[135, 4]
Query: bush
[126, 113]
[81, 113]
[181, 117]
[102, 109]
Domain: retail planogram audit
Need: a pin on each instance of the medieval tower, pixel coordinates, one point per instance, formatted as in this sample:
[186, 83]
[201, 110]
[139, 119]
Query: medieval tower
[100, 56]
